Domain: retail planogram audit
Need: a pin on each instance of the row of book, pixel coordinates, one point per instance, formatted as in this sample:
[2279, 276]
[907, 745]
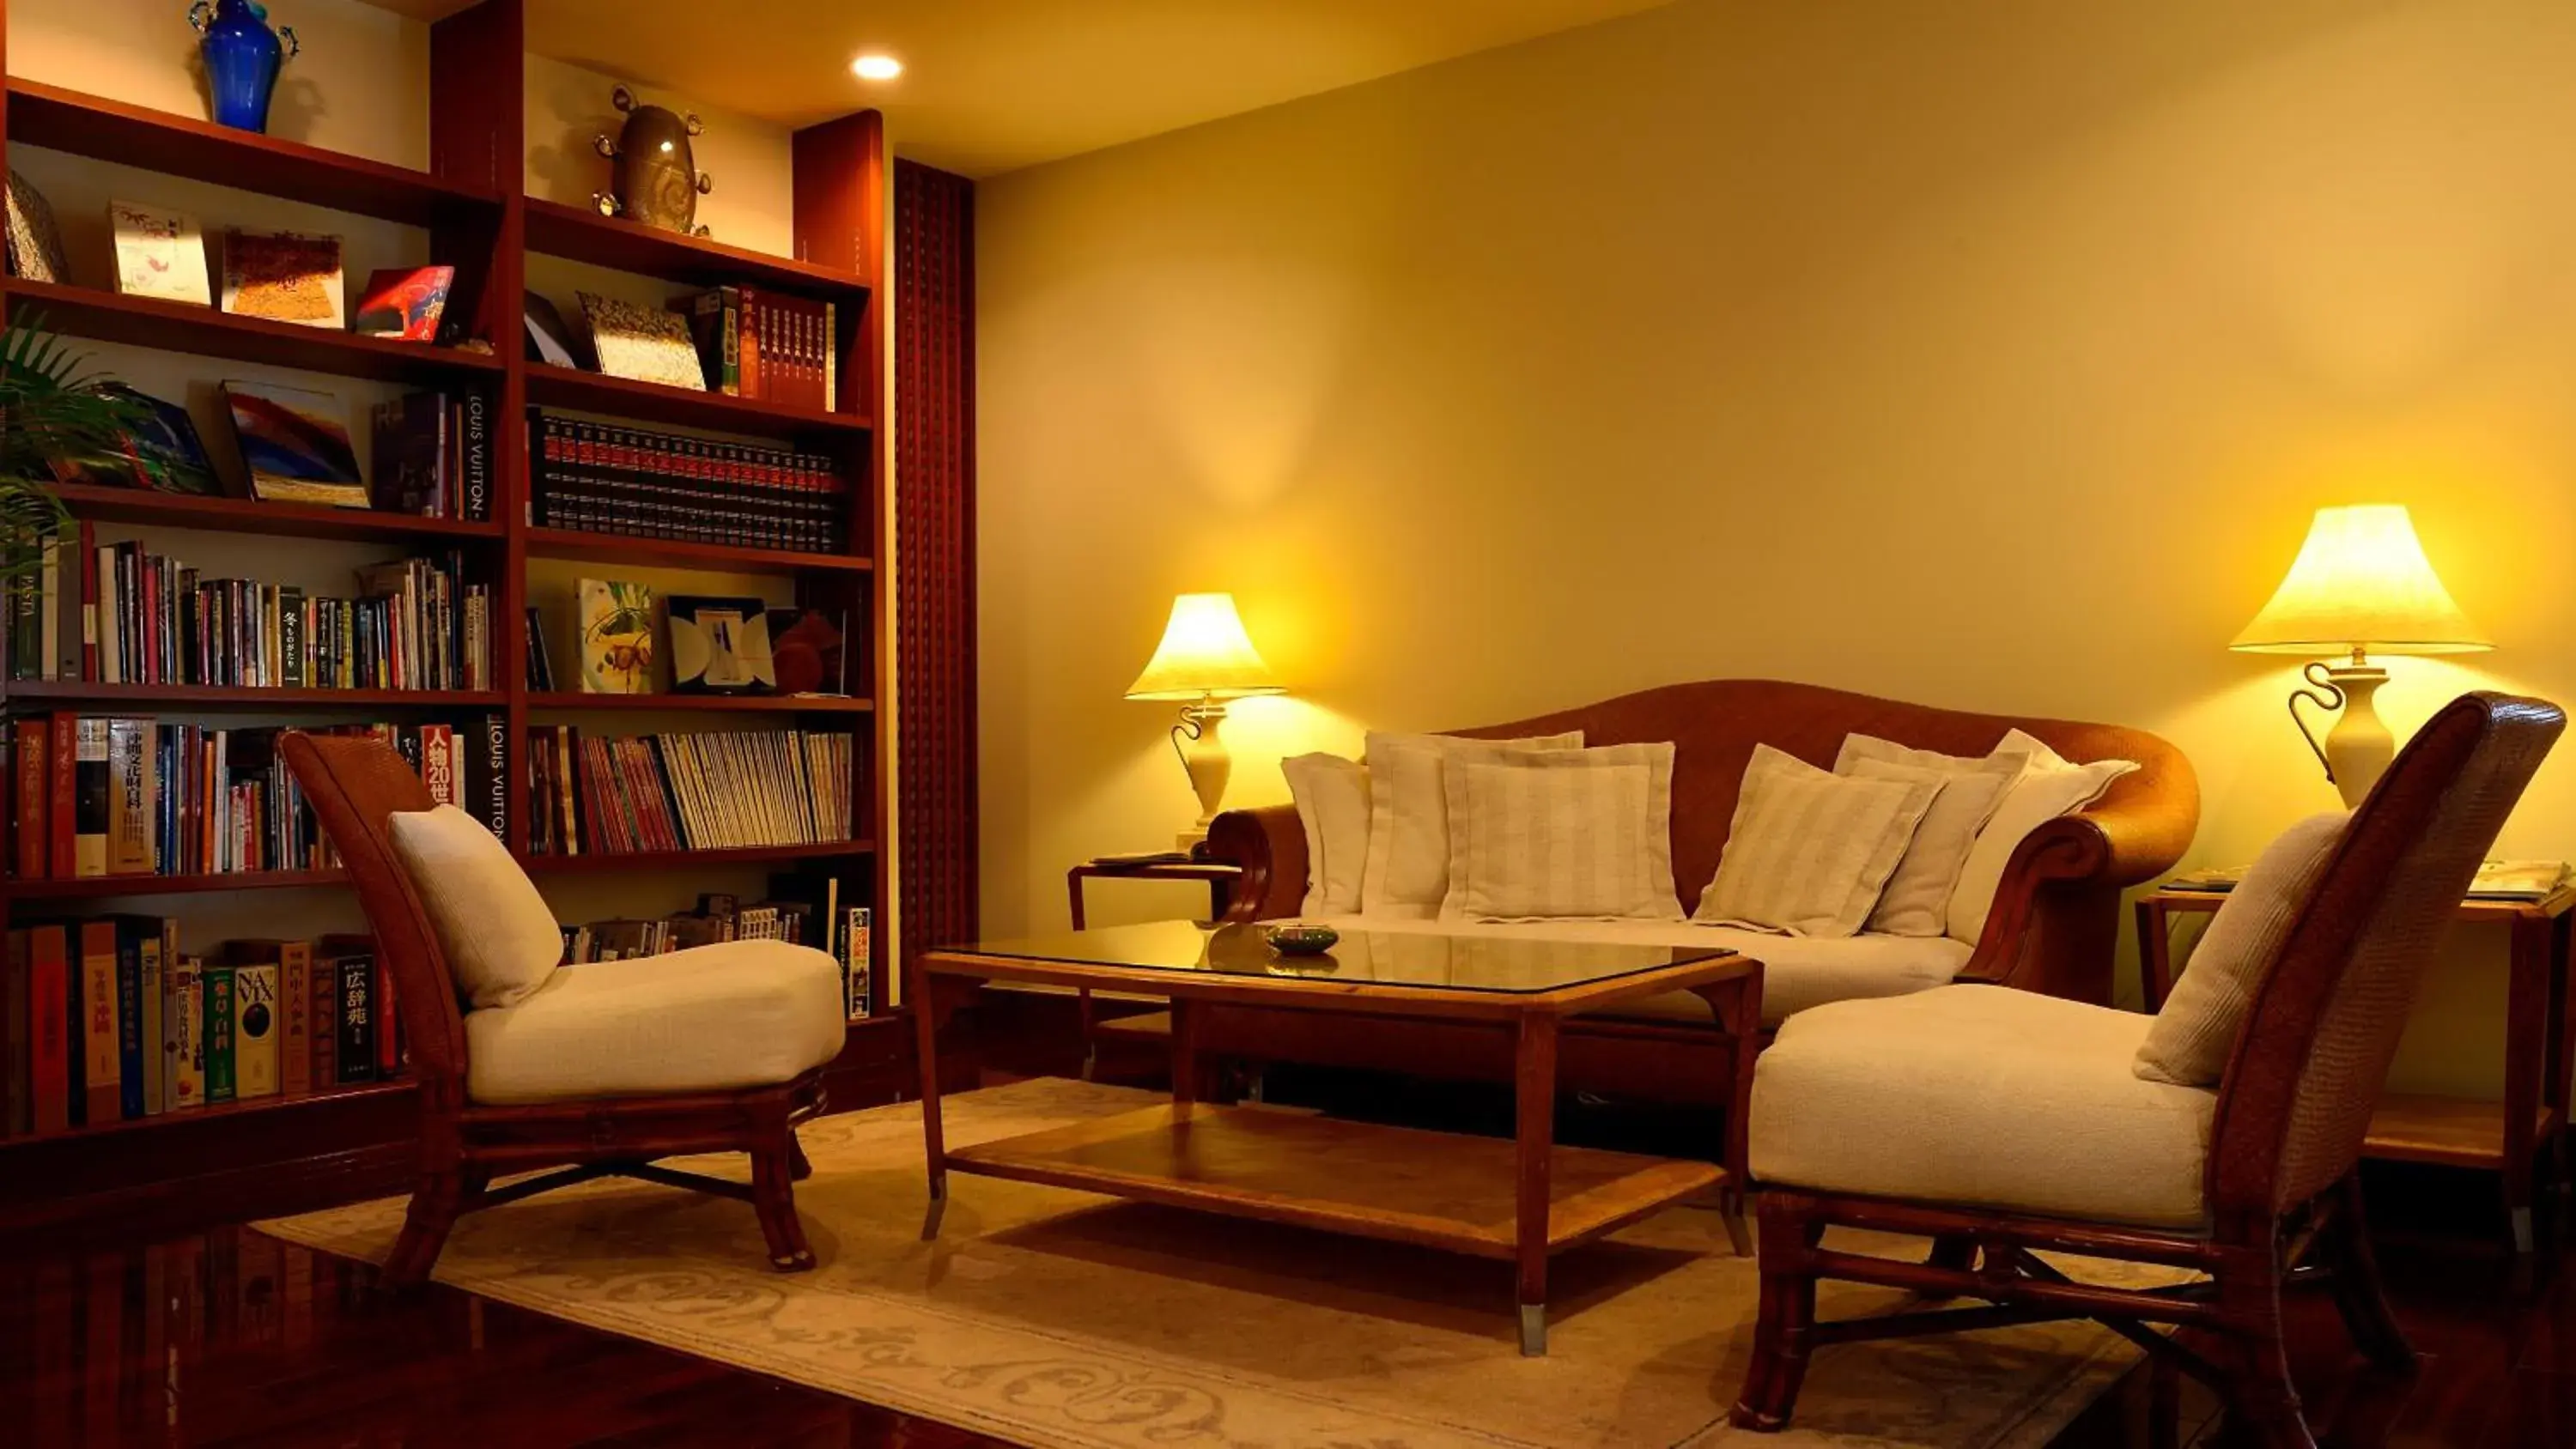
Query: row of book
[108, 1020]
[98, 795]
[766, 345]
[803, 911]
[116, 614]
[636, 482]
[703, 791]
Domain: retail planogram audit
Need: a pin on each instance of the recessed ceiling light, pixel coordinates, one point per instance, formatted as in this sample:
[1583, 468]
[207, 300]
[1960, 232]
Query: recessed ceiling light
[876, 67]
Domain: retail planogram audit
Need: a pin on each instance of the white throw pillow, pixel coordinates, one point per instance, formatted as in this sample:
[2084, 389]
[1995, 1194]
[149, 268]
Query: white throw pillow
[2195, 1033]
[2047, 788]
[1809, 851]
[1562, 834]
[1917, 899]
[500, 941]
[1332, 796]
[1407, 873]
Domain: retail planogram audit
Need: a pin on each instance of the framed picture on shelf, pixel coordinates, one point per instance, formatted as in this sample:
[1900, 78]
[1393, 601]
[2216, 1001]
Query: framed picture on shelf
[35, 243]
[284, 276]
[720, 646]
[295, 445]
[616, 637]
[641, 344]
[159, 254]
[405, 302]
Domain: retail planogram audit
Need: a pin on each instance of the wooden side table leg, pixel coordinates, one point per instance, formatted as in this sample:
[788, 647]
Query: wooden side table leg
[2155, 955]
[1073, 891]
[1533, 1144]
[932, 1003]
[2562, 1023]
[2527, 997]
[1185, 1058]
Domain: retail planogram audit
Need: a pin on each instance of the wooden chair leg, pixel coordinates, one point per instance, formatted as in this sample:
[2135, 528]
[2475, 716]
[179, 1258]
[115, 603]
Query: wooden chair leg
[2358, 1293]
[434, 1204]
[798, 1169]
[1785, 1335]
[773, 1192]
[2261, 1400]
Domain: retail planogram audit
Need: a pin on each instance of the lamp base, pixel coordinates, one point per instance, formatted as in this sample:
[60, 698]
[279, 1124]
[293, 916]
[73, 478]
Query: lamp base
[1196, 739]
[2356, 751]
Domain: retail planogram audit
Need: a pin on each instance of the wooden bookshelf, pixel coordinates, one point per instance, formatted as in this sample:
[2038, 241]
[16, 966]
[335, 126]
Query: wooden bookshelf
[470, 204]
[217, 1111]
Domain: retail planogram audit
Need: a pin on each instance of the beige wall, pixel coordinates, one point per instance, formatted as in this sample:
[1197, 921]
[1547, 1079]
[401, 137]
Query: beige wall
[1988, 355]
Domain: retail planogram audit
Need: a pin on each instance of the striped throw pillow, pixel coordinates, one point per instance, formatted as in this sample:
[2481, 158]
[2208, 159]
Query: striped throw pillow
[1562, 834]
[1407, 869]
[1809, 851]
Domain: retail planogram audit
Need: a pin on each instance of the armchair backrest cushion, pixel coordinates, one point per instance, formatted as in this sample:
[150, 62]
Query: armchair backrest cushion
[500, 938]
[2197, 1025]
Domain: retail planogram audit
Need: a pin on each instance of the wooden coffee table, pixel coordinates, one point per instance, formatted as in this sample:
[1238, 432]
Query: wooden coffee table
[1522, 1200]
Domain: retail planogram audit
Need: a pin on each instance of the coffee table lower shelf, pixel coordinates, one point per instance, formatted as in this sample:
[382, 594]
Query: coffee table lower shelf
[1432, 1189]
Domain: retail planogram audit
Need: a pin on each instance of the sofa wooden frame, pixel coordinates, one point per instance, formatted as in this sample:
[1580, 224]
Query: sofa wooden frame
[2281, 1180]
[2054, 927]
[354, 784]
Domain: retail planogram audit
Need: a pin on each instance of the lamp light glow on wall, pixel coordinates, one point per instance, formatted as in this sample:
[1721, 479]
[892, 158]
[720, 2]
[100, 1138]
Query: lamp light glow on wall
[2360, 586]
[1205, 658]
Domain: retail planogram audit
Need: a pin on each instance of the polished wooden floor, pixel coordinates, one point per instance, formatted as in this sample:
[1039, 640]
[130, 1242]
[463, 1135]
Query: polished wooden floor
[226, 1337]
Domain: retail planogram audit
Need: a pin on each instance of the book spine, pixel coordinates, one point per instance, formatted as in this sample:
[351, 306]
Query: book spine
[102, 1078]
[33, 782]
[295, 1018]
[52, 1016]
[438, 762]
[477, 407]
[215, 980]
[490, 782]
[184, 1021]
[93, 803]
[322, 1024]
[857, 947]
[150, 1044]
[356, 1022]
[255, 1030]
[129, 820]
[292, 643]
[388, 1024]
[17, 1053]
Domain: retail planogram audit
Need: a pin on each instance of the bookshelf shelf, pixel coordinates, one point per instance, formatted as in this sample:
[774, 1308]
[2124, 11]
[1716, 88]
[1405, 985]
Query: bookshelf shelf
[693, 859]
[400, 1086]
[175, 145]
[582, 235]
[219, 696]
[706, 703]
[109, 887]
[249, 515]
[178, 327]
[652, 402]
[613, 548]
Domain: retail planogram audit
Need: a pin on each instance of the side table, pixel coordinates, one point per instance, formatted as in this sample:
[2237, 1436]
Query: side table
[2502, 1136]
[1220, 879]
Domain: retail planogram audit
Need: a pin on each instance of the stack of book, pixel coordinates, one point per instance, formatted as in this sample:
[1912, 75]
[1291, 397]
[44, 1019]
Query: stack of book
[806, 911]
[108, 1020]
[765, 345]
[669, 792]
[606, 478]
[115, 614]
[100, 796]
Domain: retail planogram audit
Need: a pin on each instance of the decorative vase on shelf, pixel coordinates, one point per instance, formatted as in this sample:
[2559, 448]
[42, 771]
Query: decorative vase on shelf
[243, 56]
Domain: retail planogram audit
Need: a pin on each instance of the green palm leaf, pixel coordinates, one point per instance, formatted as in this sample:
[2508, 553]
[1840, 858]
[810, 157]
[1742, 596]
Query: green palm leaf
[51, 407]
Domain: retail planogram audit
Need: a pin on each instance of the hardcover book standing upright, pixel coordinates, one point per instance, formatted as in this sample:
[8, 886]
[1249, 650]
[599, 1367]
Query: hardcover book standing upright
[295, 445]
[616, 637]
[159, 254]
[284, 276]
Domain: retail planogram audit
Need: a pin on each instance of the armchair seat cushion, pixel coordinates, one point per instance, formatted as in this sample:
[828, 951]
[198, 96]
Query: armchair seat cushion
[713, 1018]
[1983, 1097]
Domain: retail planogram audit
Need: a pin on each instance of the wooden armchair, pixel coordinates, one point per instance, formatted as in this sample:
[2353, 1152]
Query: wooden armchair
[471, 1131]
[2003, 1124]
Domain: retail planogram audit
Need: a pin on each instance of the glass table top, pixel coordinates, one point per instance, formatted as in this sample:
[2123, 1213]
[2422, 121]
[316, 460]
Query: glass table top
[1415, 959]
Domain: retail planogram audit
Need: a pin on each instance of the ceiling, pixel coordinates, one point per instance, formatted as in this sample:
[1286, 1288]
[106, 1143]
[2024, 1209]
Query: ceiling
[994, 85]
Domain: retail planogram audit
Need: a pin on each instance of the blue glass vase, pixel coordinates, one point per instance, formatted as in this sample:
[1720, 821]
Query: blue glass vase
[243, 56]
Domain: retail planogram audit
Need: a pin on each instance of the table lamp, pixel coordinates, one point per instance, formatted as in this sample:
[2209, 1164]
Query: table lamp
[1205, 658]
[2360, 586]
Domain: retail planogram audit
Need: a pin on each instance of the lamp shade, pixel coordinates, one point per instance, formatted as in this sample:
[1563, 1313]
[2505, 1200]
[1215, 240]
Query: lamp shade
[2361, 585]
[1204, 653]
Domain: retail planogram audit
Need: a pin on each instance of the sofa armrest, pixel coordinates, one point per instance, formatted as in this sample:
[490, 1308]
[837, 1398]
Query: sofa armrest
[1269, 845]
[2053, 926]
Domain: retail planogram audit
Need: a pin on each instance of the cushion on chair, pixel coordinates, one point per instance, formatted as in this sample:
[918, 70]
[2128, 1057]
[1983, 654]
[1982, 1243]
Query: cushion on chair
[711, 1018]
[498, 935]
[2196, 1031]
[1982, 1096]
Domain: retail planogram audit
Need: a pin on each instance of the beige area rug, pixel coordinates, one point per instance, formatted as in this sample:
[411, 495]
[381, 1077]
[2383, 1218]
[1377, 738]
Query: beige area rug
[1060, 1318]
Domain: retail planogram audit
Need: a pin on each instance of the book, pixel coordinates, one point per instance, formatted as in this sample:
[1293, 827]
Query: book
[412, 448]
[294, 444]
[404, 302]
[103, 1066]
[54, 1063]
[720, 646]
[256, 1027]
[702, 791]
[639, 482]
[159, 254]
[35, 238]
[215, 981]
[131, 843]
[616, 620]
[353, 973]
[549, 339]
[474, 455]
[715, 329]
[183, 1020]
[487, 774]
[541, 665]
[31, 772]
[857, 956]
[152, 1045]
[17, 1043]
[641, 344]
[2518, 880]
[93, 804]
[439, 763]
[284, 276]
[295, 1018]
[160, 451]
